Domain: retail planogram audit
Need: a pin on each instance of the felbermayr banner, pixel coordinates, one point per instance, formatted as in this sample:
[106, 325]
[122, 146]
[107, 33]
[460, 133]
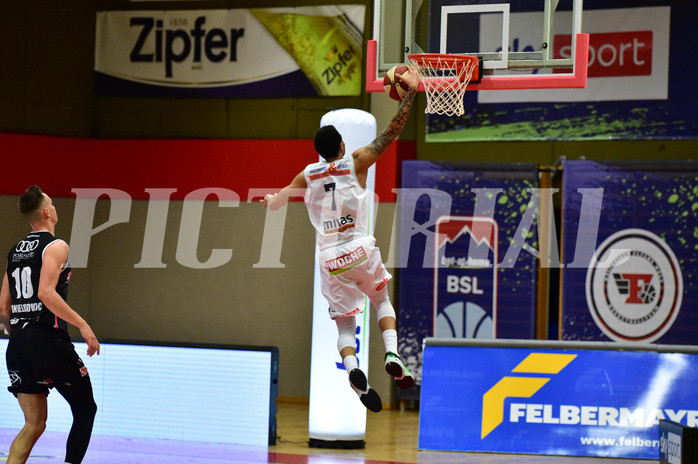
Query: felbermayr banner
[251, 53]
[553, 401]
[637, 75]
[465, 261]
[630, 247]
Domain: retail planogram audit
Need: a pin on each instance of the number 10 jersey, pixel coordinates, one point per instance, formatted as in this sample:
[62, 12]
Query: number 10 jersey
[24, 263]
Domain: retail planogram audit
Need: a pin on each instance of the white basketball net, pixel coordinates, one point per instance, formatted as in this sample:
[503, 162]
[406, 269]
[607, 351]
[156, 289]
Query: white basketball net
[445, 81]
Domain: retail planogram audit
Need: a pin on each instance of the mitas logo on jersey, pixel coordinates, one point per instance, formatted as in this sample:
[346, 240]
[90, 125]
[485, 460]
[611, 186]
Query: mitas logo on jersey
[634, 286]
[338, 225]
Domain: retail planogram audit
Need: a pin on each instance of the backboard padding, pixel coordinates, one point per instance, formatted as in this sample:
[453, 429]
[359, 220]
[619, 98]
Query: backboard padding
[506, 67]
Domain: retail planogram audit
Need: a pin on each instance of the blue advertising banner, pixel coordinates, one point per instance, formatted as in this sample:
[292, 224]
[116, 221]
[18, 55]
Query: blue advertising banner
[553, 398]
[466, 267]
[630, 247]
[639, 74]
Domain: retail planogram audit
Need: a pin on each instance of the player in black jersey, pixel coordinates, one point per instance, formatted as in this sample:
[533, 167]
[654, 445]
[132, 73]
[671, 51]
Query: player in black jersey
[40, 354]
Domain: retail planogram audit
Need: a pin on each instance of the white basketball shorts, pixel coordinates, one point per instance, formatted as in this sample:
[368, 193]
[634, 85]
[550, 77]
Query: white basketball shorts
[351, 271]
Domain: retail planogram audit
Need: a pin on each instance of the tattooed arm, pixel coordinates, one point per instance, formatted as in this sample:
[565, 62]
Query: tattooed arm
[366, 156]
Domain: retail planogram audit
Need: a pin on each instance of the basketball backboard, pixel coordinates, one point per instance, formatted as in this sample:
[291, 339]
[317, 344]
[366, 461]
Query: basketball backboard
[523, 44]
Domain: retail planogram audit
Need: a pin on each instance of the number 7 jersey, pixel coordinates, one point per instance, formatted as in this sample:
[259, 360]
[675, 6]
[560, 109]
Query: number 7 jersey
[24, 263]
[337, 204]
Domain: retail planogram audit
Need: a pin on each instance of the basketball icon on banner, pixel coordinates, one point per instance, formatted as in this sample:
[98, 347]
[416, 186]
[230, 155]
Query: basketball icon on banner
[463, 320]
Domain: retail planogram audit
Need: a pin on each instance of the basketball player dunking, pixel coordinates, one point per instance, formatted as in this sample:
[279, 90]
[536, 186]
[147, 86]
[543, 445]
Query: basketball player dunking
[351, 266]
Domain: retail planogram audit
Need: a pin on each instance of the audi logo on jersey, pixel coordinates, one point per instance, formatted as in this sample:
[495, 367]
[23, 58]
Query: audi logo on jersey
[25, 246]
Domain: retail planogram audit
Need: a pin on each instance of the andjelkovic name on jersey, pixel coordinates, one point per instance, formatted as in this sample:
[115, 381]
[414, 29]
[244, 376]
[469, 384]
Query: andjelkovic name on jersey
[27, 308]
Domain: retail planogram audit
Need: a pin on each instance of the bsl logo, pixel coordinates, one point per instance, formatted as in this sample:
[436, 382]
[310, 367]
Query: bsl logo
[464, 284]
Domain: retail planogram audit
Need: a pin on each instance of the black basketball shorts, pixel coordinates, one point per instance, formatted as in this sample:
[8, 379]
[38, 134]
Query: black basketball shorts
[39, 358]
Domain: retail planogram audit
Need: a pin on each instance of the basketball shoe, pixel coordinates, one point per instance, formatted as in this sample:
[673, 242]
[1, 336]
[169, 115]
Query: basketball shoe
[395, 367]
[368, 396]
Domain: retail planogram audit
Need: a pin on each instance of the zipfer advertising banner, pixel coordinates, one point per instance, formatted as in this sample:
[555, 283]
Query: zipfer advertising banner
[639, 72]
[466, 267]
[544, 398]
[630, 241]
[251, 53]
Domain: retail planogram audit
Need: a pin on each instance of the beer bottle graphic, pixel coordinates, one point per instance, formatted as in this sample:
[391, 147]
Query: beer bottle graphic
[328, 49]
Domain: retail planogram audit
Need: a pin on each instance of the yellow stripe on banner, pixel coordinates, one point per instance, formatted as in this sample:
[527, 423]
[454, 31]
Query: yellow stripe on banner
[544, 363]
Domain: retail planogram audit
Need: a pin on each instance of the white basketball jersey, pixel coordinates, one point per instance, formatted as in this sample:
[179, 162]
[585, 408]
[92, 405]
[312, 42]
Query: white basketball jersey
[337, 204]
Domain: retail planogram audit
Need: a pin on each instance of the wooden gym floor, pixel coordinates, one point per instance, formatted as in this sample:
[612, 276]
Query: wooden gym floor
[391, 438]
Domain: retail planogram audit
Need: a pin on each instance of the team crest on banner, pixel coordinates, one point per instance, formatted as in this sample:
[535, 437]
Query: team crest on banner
[634, 286]
[629, 273]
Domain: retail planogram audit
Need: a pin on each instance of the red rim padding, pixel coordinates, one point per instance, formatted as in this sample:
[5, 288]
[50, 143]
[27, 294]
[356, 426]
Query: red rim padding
[449, 61]
[437, 59]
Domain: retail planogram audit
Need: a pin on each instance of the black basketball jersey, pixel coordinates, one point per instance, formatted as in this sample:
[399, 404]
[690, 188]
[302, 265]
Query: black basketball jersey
[23, 271]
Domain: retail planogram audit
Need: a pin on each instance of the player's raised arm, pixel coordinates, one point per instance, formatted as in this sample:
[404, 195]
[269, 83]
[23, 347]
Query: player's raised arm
[366, 156]
[295, 188]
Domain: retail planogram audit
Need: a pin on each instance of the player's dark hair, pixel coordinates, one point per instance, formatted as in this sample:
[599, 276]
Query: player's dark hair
[327, 141]
[30, 202]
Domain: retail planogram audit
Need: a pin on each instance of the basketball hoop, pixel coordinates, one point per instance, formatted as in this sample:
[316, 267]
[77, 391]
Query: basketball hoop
[445, 78]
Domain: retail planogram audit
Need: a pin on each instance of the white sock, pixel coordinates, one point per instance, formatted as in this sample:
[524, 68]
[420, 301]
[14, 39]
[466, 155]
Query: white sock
[350, 362]
[390, 340]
